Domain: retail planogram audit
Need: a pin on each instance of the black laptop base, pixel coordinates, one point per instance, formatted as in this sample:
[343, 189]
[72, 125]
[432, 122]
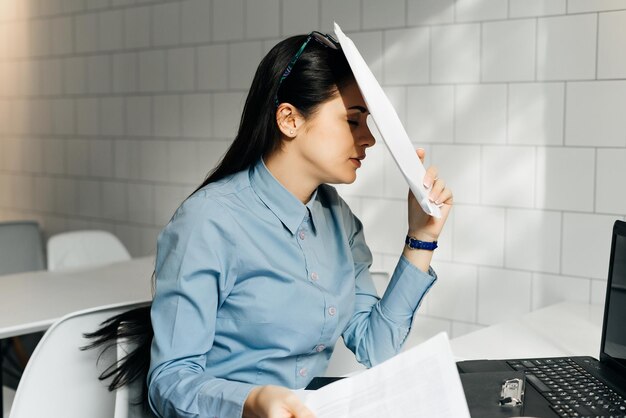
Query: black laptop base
[560, 386]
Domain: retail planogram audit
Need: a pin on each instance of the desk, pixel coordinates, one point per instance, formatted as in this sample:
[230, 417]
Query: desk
[564, 329]
[33, 301]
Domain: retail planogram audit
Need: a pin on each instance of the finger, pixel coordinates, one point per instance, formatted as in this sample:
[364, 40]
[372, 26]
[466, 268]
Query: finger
[430, 177]
[435, 193]
[444, 198]
[298, 409]
[421, 153]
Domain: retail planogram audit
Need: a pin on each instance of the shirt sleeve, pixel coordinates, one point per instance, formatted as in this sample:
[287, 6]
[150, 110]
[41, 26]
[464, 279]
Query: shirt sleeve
[379, 326]
[196, 264]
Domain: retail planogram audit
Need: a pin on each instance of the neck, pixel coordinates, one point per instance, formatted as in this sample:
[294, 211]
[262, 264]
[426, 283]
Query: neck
[290, 173]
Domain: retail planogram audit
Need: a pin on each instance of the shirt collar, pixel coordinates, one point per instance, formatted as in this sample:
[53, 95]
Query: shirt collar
[287, 208]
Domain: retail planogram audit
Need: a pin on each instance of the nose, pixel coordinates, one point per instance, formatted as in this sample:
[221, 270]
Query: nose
[366, 138]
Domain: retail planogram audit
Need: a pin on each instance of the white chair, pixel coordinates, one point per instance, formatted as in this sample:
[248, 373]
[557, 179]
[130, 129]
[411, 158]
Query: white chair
[84, 248]
[60, 380]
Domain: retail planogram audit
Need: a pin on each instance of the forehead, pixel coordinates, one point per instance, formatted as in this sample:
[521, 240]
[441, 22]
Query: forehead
[350, 96]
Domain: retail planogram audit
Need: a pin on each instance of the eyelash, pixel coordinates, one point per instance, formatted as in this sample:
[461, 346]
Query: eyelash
[353, 122]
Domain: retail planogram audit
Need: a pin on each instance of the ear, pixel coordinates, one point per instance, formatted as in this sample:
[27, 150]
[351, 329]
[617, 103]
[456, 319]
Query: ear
[288, 119]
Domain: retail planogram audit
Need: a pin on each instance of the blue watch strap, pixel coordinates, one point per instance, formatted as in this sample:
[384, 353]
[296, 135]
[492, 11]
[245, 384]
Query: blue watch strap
[416, 244]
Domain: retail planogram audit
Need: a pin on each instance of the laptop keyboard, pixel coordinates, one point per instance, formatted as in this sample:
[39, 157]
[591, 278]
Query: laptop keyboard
[570, 389]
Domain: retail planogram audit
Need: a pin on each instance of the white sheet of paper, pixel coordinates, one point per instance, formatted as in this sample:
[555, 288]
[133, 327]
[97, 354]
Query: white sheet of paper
[384, 123]
[420, 382]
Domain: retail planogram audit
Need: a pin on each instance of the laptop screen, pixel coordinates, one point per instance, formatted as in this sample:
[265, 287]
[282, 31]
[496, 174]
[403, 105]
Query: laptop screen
[614, 333]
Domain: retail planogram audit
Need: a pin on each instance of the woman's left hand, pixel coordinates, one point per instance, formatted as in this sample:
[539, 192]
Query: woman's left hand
[421, 225]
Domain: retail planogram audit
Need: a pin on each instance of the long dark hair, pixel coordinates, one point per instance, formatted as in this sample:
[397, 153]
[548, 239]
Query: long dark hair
[314, 79]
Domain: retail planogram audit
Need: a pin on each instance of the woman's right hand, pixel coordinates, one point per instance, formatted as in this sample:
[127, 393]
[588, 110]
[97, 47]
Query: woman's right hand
[274, 402]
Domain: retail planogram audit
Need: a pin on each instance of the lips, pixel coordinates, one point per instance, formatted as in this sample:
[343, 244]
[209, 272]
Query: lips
[357, 160]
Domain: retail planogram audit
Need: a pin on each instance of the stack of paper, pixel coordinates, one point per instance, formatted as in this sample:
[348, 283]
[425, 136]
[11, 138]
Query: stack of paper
[422, 382]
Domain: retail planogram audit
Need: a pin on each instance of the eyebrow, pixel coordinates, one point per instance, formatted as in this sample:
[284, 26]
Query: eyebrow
[359, 108]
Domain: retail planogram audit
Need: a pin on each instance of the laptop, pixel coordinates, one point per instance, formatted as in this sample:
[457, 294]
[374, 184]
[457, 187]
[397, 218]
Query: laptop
[570, 386]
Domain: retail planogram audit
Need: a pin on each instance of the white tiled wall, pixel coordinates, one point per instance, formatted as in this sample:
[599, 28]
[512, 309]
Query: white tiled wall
[113, 111]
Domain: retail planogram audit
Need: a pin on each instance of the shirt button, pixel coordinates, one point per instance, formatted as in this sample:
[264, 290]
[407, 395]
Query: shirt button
[303, 372]
[332, 311]
[302, 235]
[314, 276]
[320, 348]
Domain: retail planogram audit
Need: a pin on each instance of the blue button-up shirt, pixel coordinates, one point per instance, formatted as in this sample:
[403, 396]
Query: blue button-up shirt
[253, 287]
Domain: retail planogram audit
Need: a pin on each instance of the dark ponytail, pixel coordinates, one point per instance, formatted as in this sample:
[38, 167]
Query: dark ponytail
[315, 78]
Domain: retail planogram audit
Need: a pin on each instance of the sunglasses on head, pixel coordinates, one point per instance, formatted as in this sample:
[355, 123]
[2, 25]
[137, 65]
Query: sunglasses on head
[323, 39]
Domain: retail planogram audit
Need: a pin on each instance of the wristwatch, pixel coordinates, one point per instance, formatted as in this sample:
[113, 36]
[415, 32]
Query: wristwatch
[415, 244]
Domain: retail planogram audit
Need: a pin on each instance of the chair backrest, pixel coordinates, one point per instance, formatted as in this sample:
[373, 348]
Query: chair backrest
[60, 380]
[84, 248]
[21, 247]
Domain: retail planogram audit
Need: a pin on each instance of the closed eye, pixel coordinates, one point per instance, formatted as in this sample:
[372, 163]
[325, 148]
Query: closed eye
[353, 122]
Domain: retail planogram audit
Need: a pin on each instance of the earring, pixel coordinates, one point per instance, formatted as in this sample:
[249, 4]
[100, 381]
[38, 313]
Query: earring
[291, 132]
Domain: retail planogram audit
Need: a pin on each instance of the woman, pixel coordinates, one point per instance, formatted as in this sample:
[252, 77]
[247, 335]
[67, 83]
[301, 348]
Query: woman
[264, 266]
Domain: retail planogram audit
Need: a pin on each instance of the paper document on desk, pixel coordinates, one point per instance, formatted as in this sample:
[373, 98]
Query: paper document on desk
[420, 382]
[384, 123]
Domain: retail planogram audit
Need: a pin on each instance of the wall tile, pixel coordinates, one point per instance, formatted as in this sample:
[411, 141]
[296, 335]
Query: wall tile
[389, 14]
[63, 119]
[54, 151]
[153, 160]
[44, 194]
[430, 12]
[137, 27]
[112, 116]
[611, 173]
[598, 292]
[612, 32]
[577, 6]
[300, 17]
[455, 56]
[481, 113]
[528, 8]
[138, 116]
[181, 65]
[346, 13]
[167, 198]
[430, 113]
[384, 232]
[566, 47]
[125, 69]
[181, 160]
[126, 159]
[89, 198]
[508, 176]
[196, 113]
[370, 45]
[454, 295]
[61, 38]
[594, 114]
[101, 158]
[550, 289]
[565, 179]
[167, 116]
[51, 77]
[166, 24]
[86, 32]
[98, 74]
[65, 202]
[424, 328]
[492, 284]
[77, 157]
[487, 223]
[75, 75]
[459, 166]
[244, 59]
[140, 203]
[592, 259]
[114, 201]
[227, 108]
[228, 20]
[533, 240]
[508, 50]
[152, 70]
[535, 113]
[213, 67]
[87, 114]
[209, 153]
[405, 58]
[478, 10]
[110, 24]
[195, 21]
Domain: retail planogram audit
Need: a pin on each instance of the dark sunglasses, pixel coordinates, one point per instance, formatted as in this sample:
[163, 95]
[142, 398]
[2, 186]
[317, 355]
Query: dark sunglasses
[324, 39]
